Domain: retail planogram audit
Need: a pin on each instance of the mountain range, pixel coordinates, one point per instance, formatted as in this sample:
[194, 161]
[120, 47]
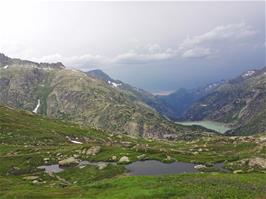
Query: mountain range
[95, 99]
[240, 102]
[181, 100]
[91, 99]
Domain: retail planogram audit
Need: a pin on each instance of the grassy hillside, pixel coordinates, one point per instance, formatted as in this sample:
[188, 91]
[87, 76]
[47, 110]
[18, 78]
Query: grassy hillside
[28, 140]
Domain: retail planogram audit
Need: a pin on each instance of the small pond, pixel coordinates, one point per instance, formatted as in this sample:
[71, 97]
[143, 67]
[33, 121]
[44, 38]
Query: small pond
[147, 167]
[55, 168]
[154, 167]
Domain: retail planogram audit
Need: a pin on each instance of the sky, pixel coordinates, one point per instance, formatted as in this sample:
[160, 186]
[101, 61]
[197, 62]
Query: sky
[157, 46]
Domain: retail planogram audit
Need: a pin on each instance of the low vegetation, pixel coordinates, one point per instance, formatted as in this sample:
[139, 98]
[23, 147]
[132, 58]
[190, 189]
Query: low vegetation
[28, 141]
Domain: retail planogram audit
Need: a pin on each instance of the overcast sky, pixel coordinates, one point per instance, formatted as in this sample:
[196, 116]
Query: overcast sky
[158, 46]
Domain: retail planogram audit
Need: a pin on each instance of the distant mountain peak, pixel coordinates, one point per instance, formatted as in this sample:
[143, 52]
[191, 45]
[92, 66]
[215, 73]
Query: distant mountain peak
[2, 55]
[4, 59]
[58, 65]
[99, 74]
[99, 71]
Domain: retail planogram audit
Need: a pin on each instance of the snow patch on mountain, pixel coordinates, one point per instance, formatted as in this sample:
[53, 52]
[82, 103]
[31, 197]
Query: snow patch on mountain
[47, 69]
[114, 84]
[212, 85]
[203, 105]
[37, 107]
[249, 73]
[75, 142]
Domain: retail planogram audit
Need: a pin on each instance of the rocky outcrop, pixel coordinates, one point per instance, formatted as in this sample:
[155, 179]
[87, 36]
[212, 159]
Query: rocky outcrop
[124, 159]
[68, 162]
[94, 150]
[4, 60]
[102, 165]
[257, 163]
[31, 177]
[200, 166]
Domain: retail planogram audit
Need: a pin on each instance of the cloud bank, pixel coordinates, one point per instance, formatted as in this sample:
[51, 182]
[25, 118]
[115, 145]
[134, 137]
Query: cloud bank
[195, 47]
[206, 45]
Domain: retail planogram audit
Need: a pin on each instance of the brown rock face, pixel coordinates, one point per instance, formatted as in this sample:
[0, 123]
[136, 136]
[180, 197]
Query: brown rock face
[257, 163]
[68, 162]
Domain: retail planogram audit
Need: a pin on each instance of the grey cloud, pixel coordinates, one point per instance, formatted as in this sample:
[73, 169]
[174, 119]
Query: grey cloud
[144, 39]
[154, 53]
[145, 54]
[142, 55]
[226, 32]
[198, 52]
[200, 46]
[196, 46]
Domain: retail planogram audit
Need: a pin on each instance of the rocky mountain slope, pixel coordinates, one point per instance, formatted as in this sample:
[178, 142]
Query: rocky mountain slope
[180, 101]
[241, 102]
[136, 94]
[55, 91]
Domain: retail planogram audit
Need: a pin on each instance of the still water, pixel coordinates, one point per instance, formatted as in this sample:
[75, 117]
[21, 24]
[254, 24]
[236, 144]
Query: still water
[216, 126]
